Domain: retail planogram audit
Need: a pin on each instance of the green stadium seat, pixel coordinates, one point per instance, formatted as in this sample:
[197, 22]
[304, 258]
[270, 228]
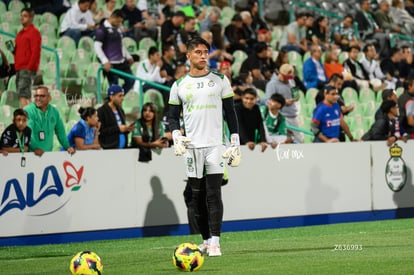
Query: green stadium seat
[146, 43]
[239, 56]
[49, 18]
[350, 96]
[86, 43]
[66, 43]
[48, 30]
[310, 95]
[11, 17]
[11, 86]
[3, 7]
[130, 44]
[10, 98]
[366, 95]
[131, 103]
[235, 68]
[15, 6]
[399, 91]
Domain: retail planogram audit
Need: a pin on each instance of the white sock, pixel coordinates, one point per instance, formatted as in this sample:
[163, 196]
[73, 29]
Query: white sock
[215, 240]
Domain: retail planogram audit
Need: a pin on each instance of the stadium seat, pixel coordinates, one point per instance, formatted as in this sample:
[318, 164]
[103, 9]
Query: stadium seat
[48, 30]
[130, 44]
[399, 91]
[131, 103]
[10, 98]
[3, 7]
[9, 27]
[146, 43]
[350, 96]
[227, 12]
[311, 94]
[66, 43]
[366, 95]
[49, 41]
[6, 113]
[86, 43]
[11, 17]
[235, 68]
[143, 54]
[73, 113]
[343, 56]
[49, 18]
[239, 56]
[11, 86]
[369, 109]
[15, 6]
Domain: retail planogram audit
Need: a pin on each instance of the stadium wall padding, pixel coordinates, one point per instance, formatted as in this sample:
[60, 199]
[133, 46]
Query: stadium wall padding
[109, 194]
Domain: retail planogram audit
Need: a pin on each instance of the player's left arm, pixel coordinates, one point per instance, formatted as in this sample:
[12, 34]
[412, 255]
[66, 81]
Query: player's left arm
[230, 115]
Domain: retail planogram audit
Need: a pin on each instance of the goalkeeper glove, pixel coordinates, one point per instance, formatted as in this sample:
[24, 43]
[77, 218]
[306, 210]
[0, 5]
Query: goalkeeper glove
[180, 143]
[233, 154]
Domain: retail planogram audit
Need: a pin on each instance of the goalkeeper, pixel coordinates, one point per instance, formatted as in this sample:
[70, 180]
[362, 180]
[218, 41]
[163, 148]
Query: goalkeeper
[202, 96]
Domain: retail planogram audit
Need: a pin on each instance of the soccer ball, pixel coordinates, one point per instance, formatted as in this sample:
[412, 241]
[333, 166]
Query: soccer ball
[86, 263]
[187, 257]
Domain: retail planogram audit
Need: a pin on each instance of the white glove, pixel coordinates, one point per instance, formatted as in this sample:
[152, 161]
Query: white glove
[180, 143]
[233, 153]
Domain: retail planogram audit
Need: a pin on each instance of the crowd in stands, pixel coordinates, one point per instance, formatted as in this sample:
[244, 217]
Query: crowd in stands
[309, 81]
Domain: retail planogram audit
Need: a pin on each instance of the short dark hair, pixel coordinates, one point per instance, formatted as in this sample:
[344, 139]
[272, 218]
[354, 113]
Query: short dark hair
[387, 93]
[259, 47]
[193, 43]
[118, 14]
[250, 91]
[366, 47]
[278, 98]
[84, 1]
[86, 112]
[387, 105]
[28, 10]
[166, 46]
[152, 50]
[20, 112]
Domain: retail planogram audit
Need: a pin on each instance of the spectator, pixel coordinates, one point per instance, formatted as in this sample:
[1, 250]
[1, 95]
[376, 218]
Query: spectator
[45, 121]
[255, 63]
[388, 126]
[134, 23]
[369, 62]
[332, 67]
[354, 67]
[5, 70]
[16, 137]
[235, 35]
[409, 6]
[294, 36]
[369, 29]
[390, 67]
[152, 13]
[113, 132]
[219, 42]
[169, 63]
[110, 51]
[171, 27]
[314, 75]
[78, 21]
[406, 105]
[97, 15]
[384, 20]
[251, 128]
[257, 22]
[283, 58]
[281, 83]
[344, 35]
[148, 133]
[406, 66]
[250, 32]
[401, 17]
[168, 9]
[149, 69]
[242, 82]
[184, 35]
[108, 8]
[320, 32]
[327, 119]
[84, 134]
[26, 56]
[309, 29]
[387, 94]
[211, 19]
[274, 121]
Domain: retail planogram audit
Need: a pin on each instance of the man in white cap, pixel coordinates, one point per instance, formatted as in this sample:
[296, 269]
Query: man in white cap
[282, 83]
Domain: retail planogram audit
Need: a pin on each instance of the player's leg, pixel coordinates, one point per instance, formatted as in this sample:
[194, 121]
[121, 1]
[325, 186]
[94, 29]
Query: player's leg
[214, 178]
[194, 162]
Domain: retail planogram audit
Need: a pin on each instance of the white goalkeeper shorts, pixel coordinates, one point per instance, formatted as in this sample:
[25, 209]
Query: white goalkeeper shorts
[203, 161]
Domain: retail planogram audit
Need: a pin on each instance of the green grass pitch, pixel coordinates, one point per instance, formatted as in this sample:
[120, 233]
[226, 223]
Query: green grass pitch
[385, 247]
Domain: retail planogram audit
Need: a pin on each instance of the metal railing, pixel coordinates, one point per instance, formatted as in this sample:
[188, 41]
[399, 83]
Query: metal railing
[395, 36]
[47, 49]
[121, 73]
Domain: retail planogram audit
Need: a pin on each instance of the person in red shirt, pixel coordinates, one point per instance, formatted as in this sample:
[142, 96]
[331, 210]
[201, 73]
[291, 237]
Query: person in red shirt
[26, 56]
